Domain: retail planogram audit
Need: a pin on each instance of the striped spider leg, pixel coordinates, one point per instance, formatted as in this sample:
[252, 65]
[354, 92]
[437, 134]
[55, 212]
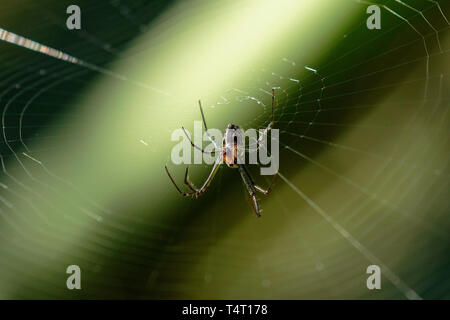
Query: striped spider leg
[252, 187]
[194, 191]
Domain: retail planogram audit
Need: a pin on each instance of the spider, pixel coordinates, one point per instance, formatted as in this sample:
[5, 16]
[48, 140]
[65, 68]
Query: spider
[229, 143]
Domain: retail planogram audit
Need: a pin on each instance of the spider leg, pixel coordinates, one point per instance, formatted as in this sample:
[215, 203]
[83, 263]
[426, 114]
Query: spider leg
[183, 194]
[248, 181]
[210, 177]
[257, 187]
[196, 192]
[266, 191]
[254, 205]
[186, 181]
[273, 103]
[194, 145]
[206, 128]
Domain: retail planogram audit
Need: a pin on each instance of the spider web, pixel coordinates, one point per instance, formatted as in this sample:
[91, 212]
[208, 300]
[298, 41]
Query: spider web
[363, 172]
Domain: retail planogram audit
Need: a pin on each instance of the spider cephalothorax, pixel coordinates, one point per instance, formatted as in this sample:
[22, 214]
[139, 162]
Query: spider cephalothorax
[228, 154]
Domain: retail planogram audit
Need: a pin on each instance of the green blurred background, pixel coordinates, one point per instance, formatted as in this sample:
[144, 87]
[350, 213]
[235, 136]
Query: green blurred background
[363, 150]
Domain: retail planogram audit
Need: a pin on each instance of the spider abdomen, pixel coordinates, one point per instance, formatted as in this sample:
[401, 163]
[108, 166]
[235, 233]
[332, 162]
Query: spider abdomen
[230, 158]
[230, 147]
